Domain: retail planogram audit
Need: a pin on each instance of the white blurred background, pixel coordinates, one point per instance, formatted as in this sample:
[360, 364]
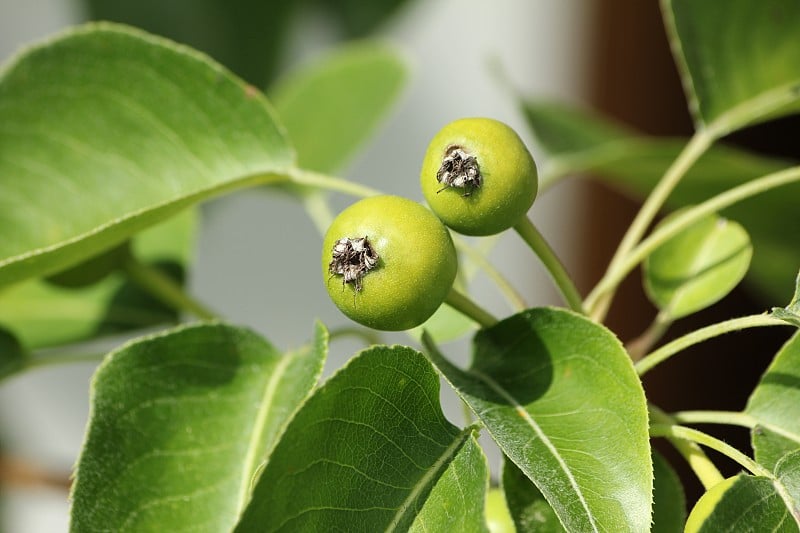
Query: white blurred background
[542, 48]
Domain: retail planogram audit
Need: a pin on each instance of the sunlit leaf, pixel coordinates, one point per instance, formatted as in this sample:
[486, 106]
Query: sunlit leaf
[372, 451]
[697, 267]
[136, 129]
[560, 396]
[775, 405]
[331, 107]
[180, 424]
[738, 59]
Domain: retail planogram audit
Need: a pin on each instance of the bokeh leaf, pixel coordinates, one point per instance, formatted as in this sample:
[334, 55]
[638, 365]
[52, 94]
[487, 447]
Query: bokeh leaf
[42, 313]
[180, 423]
[332, 106]
[377, 429]
[775, 405]
[742, 503]
[669, 501]
[560, 396]
[697, 267]
[136, 129]
[247, 36]
[738, 59]
[580, 142]
[12, 355]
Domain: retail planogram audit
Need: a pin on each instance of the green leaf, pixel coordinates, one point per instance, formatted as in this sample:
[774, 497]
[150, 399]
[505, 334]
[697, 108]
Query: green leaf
[331, 107]
[697, 267]
[738, 59]
[743, 503]
[43, 314]
[775, 405]
[669, 502]
[579, 142]
[560, 396]
[359, 17]
[790, 313]
[372, 451]
[181, 422]
[247, 36]
[529, 509]
[106, 131]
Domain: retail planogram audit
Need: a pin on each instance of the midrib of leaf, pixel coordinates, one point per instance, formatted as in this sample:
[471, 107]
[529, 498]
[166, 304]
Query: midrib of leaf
[788, 501]
[525, 415]
[430, 476]
[252, 459]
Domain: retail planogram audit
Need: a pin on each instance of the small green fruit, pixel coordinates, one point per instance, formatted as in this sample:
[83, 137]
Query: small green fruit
[388, 263]
[478, 176]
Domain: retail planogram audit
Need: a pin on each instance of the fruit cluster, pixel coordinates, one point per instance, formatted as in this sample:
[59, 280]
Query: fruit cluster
[395, 258]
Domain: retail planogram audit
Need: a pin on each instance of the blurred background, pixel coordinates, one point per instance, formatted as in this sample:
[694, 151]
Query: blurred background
[466, 58]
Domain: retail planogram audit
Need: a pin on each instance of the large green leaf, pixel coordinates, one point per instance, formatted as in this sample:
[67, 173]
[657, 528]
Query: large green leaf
[372, 451]
[106, 131]
[579, 142]
[42, 313]
[181, 422]
[775, 405]
[743, 503]
[560, 396]
[331, 107]
[697, 267]
[739, 59]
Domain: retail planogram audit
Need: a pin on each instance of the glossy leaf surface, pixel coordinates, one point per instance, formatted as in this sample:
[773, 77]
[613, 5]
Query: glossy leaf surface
[181, 422]
[738, 59]
[697, 267]
[332, 106]
[775, 405]
[559, 395]
[372, 451]
[137, 128]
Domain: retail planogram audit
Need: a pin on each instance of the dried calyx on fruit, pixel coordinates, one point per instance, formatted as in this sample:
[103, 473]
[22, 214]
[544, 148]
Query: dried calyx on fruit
[459, 170]
[352, 258]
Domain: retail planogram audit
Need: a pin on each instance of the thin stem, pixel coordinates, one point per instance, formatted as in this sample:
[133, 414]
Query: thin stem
[696, 146]
[705, 470]
[614, 276]
[668, 350]
[550, 260]
[641, 344]
[330, 183]
[693, 435]
[165, 289]
[464, 305]
[508, 290]
[730, 418]
[369, 336]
